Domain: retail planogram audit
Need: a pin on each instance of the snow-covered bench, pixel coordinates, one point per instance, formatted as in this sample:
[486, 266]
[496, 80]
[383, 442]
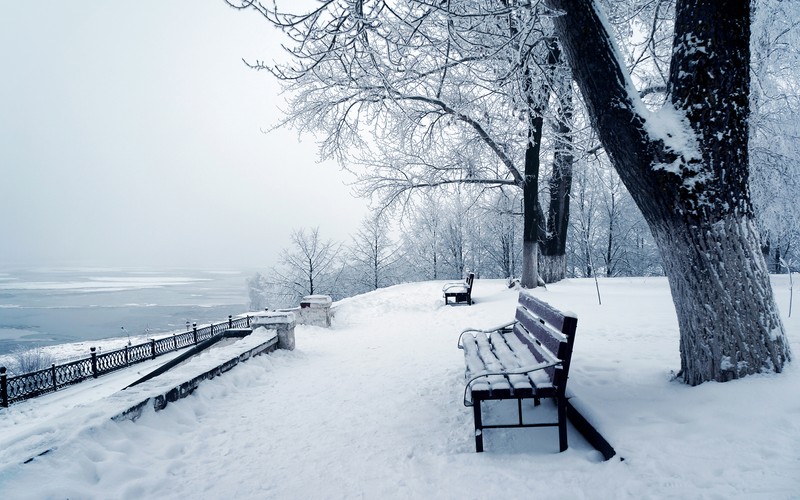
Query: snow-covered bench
[528, 358]
[459, 291]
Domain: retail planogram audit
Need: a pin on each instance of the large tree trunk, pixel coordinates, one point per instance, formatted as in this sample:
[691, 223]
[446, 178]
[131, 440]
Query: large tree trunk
[687, 169]
[530, 193]
[553, 258]
[720, 285]
[531, 210]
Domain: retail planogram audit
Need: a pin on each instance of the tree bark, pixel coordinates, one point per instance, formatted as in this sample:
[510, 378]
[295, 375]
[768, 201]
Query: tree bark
[720, 285]
[552, 268]
[687, 170]
[552, 261]
[530, 196]
[530, 191]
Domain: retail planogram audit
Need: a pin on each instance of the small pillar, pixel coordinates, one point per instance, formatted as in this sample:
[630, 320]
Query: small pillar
[315, 310]
[3, 387]
[282, 322]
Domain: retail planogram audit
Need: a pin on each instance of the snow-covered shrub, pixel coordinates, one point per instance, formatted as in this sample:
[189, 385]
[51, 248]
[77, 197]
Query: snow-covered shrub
[30, 360]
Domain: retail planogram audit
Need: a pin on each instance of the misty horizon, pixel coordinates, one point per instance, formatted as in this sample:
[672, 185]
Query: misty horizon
[136, 138]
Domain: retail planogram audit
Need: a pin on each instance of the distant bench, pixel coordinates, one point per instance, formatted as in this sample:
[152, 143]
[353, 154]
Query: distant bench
[459, 291]
[528, 358]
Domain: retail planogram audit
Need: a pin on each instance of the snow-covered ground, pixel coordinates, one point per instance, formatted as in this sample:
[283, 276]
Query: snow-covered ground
[372, 409]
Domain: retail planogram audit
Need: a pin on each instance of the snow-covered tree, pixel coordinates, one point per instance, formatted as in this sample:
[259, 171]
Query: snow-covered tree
[258, 289]
[421, 239]
[447, 92]
[309, 266]
[501, 220]
[686, 166]
[775, 129]
[372, 256]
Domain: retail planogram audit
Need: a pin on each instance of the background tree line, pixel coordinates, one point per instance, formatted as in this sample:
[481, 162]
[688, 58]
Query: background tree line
[442, 236]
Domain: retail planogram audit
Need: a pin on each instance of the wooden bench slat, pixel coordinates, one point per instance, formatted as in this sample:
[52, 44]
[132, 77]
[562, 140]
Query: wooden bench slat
[540, 378]
[477, 364]
[474, 364]
[509, 360]
[542, 309]
[548, 336]
[496, 382]
[537, 342]
[473, 360]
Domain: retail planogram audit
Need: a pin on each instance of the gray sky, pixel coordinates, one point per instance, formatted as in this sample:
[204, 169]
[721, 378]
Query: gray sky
[131, 135]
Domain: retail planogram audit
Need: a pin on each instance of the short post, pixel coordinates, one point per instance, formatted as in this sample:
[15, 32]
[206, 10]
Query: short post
[127, 359]
[283, 323]
[3, 387]
[153, 348]
[53, 374]
[230, 321]
[94, 361]
[194, 326]
[175, 342]
[286, 335]
[248, 321]
[315, 310]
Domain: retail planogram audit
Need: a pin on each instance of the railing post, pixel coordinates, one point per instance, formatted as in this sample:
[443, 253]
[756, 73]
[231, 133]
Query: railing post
[53, 373]
[3, 387]
[174, 342]
[248, 321]
[153, 348]
[194, 326]
[230, 321]
[127, 360]
[94, 361]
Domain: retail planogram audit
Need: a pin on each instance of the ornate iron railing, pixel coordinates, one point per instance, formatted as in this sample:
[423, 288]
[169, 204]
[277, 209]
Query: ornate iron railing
[30, 385]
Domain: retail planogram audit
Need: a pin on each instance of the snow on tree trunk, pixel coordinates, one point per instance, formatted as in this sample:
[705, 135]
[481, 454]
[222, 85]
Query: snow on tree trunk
[686, 166]
[530, 265]
[552, 268]
[720, 285]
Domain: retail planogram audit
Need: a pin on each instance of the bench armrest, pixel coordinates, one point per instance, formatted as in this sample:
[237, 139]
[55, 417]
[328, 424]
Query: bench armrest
[454, 284]
[518, 371]
[506, 327]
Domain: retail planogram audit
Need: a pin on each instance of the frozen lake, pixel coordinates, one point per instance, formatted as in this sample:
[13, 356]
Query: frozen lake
[40, 307]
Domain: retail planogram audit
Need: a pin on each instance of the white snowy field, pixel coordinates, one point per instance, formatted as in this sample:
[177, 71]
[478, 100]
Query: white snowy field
[372, 409]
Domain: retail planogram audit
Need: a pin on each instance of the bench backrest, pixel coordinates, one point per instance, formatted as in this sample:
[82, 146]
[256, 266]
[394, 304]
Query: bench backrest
[548, 333]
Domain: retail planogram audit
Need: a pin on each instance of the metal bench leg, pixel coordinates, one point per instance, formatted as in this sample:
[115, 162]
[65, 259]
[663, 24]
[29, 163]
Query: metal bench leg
[476, 411]
[562, 423]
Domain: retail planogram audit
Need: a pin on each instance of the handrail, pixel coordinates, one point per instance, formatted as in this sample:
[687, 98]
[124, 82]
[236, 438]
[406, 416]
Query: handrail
[29, 385]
